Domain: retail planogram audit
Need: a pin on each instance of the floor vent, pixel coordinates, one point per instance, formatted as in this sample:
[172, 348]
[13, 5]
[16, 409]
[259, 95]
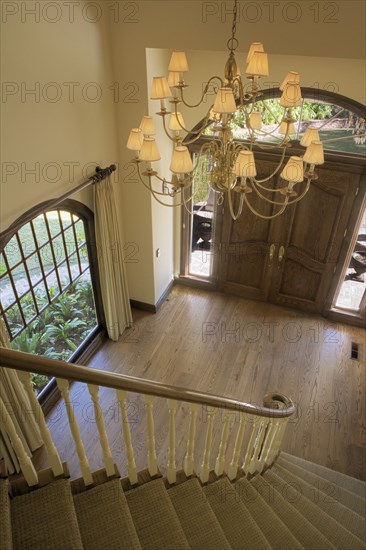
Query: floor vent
[354, 350]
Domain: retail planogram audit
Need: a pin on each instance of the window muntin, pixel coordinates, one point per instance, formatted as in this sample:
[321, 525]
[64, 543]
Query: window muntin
[51, 249]
[46, 291]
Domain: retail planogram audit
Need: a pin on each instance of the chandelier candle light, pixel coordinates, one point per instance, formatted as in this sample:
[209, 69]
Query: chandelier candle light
[227, 164]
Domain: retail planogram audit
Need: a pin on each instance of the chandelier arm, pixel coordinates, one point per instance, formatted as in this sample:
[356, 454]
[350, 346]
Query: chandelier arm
[190, 212]
[290, 201]
[262, 215]
[199, 131]
[164, 203]
[154, 192]
[331, 119]
[209, 148]
[149, 188]
[163, 180]
[240, 147]
[270, 111]
[266, 198]
[300, 119]
[204, 92]
[166, 131]
[193, 140]
[243, 98]
[263, 133]
[302, 194]
[258, 182]
[231, 208]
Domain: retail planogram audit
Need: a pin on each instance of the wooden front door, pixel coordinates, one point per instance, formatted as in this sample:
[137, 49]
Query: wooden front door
[290, 260]
[312, 238]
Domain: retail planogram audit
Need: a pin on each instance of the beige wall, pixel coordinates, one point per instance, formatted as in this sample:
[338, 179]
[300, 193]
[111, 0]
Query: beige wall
[70, 117]
[122, 50]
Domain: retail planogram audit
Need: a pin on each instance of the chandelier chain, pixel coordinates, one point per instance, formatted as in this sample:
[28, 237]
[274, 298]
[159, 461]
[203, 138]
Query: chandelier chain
[233, 43]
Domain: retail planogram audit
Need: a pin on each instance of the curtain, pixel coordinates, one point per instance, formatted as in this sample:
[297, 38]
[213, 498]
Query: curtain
[16, 402]
[113, 281]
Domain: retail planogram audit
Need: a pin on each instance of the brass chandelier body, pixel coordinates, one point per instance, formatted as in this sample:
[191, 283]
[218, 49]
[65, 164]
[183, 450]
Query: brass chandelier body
[228, 164]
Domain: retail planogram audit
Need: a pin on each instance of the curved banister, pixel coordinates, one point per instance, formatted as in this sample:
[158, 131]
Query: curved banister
[275, 405]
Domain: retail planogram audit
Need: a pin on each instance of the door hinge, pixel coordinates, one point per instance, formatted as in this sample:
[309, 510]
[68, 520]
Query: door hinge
[357, 190]
[334, 269]
[345, 232]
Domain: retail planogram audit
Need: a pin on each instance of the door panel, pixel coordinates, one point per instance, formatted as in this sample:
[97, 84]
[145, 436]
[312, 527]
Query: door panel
[312, 245]
[245, 244]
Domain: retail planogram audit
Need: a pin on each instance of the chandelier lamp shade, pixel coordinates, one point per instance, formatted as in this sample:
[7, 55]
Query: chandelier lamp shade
[227, 164]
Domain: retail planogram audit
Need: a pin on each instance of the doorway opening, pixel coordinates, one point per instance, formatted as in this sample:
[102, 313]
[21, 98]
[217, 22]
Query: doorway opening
[352, 292]
[201, 242]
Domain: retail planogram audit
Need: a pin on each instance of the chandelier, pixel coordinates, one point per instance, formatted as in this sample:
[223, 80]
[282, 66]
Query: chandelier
[225, 164]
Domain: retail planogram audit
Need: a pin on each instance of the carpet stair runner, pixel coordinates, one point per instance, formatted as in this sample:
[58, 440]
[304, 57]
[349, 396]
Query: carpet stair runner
[294, 505]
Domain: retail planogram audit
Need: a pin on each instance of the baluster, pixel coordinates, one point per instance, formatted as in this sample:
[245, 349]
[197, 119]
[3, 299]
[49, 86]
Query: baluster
[233, 467]
[131, 464]
[172, 469]
[53, 456]
[99, 418]
[267, 444]
[151, 451]
[267, 458]
[220, 460]
[25, 462]
[205, 466]
[75, 431]
[277, 441]
[251, 445]
[189, 458]
[253, 466]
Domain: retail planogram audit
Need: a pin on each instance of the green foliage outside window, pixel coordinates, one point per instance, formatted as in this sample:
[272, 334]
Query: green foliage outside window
[60, 328]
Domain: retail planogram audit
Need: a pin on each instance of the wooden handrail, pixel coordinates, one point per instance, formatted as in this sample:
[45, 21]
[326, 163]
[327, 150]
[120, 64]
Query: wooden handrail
[18, 360]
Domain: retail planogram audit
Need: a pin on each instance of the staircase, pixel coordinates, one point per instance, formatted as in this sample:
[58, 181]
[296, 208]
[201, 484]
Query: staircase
[256, 498]
[293, 505]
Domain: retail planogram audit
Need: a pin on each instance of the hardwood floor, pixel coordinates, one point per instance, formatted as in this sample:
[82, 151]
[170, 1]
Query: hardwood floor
[226, 345]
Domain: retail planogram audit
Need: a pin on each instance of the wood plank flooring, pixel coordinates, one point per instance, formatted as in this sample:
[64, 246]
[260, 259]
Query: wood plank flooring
[229, 346]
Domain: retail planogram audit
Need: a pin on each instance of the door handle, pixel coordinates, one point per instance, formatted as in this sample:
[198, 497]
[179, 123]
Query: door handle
[272, 250]
[281, 254]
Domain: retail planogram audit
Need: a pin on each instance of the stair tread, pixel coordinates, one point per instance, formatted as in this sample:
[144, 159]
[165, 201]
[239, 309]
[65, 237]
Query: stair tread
[351, 500]
[5, 517]
[299, 526]
[240, 528]
[352, 484]
[339, 536]
[154, 516]
[275, 531]
[104, 518]
[196, 516]
[46, 518]
[344, 516]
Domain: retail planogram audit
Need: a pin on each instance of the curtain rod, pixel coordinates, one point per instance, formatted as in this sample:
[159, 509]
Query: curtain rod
[101, 174]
